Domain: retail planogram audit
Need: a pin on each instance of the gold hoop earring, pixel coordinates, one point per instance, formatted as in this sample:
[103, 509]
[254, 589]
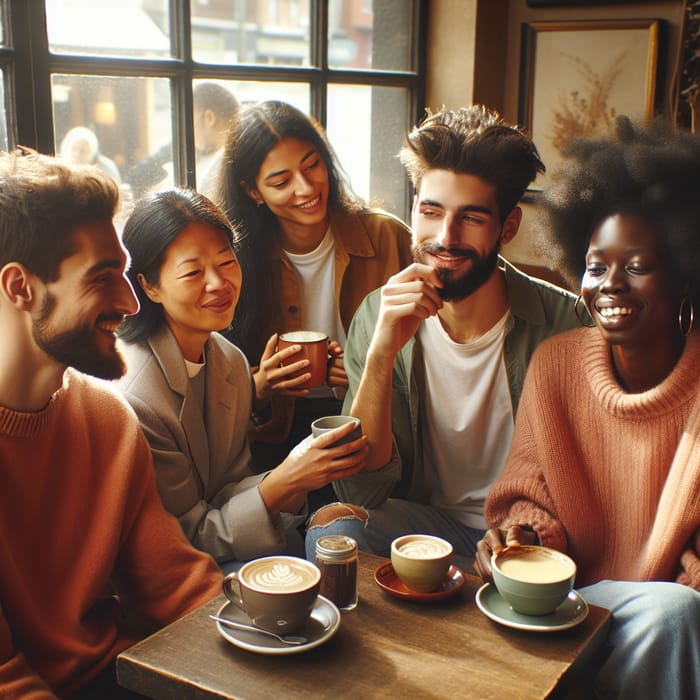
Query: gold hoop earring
[582, 321]
[691, 316]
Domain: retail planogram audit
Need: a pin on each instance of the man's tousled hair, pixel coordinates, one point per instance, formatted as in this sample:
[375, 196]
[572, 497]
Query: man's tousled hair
[476, 141]
[42, 202]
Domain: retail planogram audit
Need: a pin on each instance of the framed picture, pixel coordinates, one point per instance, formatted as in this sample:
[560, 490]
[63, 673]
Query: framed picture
[577, 77]
[566, 3]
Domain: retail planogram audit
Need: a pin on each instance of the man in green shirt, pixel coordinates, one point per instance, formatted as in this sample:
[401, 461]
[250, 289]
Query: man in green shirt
[436, 358]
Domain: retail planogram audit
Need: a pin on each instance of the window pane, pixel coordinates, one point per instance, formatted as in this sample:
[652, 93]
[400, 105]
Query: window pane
[138, 28]
[124, 126]
[366, 126]
[3, 114]
[3, 21]
[207, 141]
[363, 34]
[274, 32]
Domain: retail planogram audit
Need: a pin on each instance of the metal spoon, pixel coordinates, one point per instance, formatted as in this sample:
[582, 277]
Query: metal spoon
[292, 639]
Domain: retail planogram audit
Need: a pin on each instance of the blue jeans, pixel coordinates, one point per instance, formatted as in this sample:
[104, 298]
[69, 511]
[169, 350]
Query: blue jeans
[653, 642]
[398, 517]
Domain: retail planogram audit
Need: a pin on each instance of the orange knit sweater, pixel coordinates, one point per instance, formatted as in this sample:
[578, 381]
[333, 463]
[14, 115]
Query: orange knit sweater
[78, 503]
[610, 477]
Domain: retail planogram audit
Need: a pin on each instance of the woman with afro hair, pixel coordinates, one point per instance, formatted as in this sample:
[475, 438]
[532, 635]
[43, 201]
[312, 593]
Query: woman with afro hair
[605, 459]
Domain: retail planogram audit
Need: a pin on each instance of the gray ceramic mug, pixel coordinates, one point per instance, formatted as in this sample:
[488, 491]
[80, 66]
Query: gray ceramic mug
[277, 593]
[324, 425]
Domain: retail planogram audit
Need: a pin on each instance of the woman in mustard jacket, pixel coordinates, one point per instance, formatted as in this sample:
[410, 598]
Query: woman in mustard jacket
[310, 251]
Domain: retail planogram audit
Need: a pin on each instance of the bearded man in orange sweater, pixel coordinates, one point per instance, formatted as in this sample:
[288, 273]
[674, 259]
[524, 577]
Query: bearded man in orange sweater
[79, 510]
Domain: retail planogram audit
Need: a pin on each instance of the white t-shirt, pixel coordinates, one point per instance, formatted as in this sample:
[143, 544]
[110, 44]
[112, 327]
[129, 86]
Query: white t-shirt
[318, 303]
[468, 418]
[193, 368]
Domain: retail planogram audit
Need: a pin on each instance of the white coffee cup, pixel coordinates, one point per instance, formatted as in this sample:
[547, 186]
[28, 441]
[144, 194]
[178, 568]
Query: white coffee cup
[421, 561]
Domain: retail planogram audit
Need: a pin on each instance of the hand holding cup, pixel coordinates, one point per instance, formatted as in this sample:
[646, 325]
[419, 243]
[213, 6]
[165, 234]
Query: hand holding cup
[495, 540]
[327, 424]
[281, 371]
[317, 461]
[313, 347]
[336, 376]
[533, 580]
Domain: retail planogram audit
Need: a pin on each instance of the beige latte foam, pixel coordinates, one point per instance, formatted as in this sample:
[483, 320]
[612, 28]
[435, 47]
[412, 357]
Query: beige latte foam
[535, 567]
[303, 336]
[279, 577]
[422, 549]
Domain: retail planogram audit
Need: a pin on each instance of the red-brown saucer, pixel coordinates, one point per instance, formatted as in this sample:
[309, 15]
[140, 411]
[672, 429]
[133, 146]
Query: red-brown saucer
[388, 581]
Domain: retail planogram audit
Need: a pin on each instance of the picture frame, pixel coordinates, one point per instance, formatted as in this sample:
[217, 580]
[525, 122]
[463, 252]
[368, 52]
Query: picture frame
[571, 3]
[577, 76]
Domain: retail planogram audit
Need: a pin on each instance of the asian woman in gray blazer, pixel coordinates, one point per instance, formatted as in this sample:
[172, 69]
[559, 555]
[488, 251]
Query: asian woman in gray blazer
[193, 393]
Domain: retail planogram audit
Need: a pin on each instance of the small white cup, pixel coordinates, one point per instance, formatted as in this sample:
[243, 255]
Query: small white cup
[421, 561]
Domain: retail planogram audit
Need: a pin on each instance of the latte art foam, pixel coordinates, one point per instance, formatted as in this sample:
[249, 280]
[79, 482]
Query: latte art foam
[279, 577]
[422, 549]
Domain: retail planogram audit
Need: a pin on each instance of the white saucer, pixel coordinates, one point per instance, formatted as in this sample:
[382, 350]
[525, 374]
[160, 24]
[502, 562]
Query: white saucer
[320, 627]
[570, 613]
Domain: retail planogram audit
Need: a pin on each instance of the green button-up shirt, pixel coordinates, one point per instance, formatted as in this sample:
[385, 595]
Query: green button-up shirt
[538, 310]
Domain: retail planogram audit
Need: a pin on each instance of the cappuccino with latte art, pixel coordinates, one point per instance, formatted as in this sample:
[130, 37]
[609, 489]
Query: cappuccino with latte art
[423, 548]
[421, 561]
[272, 575]
[277, 593]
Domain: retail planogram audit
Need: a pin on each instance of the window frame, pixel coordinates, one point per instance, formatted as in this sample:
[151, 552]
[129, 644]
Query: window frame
[29, 66]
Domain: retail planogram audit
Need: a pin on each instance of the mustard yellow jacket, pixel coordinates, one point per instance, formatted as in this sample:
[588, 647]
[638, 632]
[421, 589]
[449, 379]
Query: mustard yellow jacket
[369, 247]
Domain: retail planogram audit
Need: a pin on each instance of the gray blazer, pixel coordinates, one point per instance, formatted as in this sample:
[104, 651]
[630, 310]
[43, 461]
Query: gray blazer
[202, 466]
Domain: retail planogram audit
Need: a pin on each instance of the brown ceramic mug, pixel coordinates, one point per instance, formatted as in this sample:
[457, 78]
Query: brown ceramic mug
[314, 348]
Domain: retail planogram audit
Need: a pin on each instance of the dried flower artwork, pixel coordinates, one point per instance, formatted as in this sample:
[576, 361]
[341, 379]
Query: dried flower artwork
[585, 111]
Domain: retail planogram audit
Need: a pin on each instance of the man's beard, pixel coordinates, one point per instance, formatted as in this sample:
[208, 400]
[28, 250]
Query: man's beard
[460, 285]
[77, 347]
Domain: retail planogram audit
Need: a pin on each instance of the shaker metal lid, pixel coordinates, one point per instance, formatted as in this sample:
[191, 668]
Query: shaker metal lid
[336, 546]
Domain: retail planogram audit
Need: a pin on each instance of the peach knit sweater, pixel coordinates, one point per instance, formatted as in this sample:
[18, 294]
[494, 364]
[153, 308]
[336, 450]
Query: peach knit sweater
[610, 477]
[78, 503]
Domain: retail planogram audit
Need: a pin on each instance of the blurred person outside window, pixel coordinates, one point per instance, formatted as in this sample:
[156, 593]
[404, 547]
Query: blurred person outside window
[80, 146]
[214, 107]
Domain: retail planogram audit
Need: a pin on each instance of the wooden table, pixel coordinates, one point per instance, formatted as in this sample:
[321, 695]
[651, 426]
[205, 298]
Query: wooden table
[387, 647]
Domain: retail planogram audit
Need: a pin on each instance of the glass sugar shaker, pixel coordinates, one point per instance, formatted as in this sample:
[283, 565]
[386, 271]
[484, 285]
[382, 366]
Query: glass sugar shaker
[336, 557]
